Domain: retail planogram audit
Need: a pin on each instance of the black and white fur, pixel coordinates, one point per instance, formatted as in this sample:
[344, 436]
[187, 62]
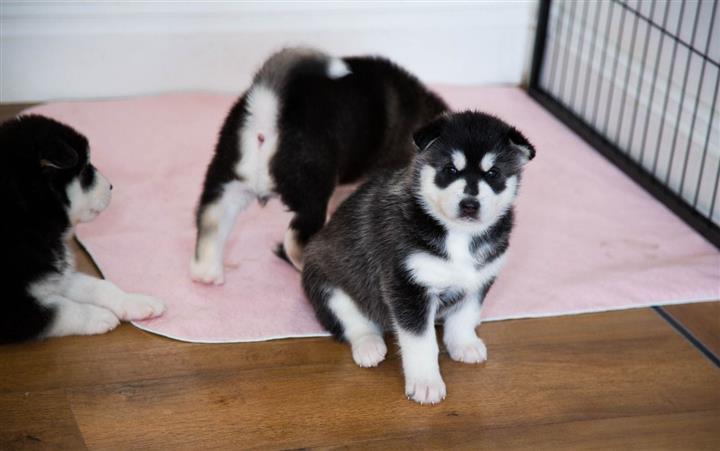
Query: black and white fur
[420, 244]
[308, 123]
[47, 185]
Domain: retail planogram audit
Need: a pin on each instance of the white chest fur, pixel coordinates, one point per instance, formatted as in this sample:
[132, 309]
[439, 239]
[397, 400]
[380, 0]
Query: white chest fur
[461, 270]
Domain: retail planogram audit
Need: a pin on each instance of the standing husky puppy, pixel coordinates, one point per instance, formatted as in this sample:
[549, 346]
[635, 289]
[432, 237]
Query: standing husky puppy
[308, 123]
[418, 244]
[47, 185]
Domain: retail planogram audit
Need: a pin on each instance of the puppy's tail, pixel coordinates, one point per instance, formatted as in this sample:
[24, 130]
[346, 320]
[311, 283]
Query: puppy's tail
[291, 62]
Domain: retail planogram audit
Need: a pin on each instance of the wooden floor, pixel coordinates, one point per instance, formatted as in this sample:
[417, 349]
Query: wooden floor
[610, 380]
[601, 381]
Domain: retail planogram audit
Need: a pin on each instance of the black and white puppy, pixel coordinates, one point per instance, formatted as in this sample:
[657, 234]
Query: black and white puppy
[308, 123]
[47, 185]
[420, 244]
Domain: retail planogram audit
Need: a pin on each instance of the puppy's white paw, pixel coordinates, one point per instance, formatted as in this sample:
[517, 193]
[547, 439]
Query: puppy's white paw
[99, 320]
[208, 272]
[368, 350]
[139, 306]
[468, 352]
[425, 391]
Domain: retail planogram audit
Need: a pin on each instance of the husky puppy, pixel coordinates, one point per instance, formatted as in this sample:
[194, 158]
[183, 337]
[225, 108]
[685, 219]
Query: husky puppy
[308, 123]
[420, 244]
[47, 185]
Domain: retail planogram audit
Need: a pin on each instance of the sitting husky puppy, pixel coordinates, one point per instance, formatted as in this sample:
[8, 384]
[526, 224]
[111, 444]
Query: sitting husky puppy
[419, 244]
[308, 123]
[47, 186]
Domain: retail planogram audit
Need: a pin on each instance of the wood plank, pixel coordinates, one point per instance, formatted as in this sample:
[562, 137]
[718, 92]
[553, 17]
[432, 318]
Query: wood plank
[129, 354]
[38, 420]
[652, 432]
[10, 110]
[702, 320]
[298, 393]
[83, 262]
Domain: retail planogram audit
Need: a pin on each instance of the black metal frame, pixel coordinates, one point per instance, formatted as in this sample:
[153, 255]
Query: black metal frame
[677, 325]
[602, 144]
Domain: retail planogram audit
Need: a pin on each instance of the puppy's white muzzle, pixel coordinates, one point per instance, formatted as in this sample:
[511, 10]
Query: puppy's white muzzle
[87, 203]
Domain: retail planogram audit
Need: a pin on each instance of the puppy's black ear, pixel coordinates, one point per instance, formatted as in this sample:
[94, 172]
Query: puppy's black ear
[520, 142]
[58, 155]
[424, 137]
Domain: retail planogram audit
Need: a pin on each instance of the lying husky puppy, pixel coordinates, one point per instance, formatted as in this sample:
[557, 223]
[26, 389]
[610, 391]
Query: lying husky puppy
[47, 186]
[308, 123]
[419, 244]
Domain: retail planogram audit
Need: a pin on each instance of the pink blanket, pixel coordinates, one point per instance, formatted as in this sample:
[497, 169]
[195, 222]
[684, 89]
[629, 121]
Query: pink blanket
[587, 238]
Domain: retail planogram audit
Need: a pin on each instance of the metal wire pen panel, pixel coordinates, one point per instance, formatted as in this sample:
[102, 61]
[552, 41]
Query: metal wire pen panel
[639, 79]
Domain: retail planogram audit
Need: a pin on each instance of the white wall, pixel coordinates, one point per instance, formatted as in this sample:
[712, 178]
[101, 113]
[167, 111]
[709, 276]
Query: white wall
[72, 50]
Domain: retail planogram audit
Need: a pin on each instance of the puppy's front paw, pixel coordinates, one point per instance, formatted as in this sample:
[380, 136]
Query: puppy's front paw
[468, 352]
[208, 272]
[425, 391]
[139, 306]
[99, 320]
[368, 350]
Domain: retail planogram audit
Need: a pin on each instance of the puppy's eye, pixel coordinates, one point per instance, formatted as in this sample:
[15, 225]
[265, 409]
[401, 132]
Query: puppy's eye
[450, 169]
[493, 173]
[87, 175]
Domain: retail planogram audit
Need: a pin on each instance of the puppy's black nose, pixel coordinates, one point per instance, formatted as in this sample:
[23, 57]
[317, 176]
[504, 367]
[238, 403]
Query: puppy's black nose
[110, 187]
[469, 207]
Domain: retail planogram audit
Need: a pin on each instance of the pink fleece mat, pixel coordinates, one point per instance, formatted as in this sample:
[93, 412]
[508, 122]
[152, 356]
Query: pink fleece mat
[587, 238]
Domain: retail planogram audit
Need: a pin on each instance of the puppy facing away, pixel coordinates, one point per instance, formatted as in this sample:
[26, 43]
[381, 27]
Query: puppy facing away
[47, 186]
[420, 244]
[308, 123]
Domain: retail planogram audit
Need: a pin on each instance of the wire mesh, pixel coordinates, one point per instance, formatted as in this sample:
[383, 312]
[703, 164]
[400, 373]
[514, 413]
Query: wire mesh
[640, 79]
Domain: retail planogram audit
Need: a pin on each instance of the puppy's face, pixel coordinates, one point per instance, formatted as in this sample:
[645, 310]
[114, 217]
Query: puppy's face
[88, 194]
[469, 169]
[56, 161]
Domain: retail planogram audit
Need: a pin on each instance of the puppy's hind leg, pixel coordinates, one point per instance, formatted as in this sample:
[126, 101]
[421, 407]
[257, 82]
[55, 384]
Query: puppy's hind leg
[339, 314]
[23, 318]
[215, 220]
[365, 337]
[310, 216]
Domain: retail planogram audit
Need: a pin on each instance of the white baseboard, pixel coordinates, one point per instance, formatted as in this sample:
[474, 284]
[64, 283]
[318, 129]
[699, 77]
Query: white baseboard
[74, 50]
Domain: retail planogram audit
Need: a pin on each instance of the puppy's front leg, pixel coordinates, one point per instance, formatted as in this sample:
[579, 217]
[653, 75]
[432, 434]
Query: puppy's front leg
[72, 318]
[127, 306]
[415, 328]
[459, 334]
